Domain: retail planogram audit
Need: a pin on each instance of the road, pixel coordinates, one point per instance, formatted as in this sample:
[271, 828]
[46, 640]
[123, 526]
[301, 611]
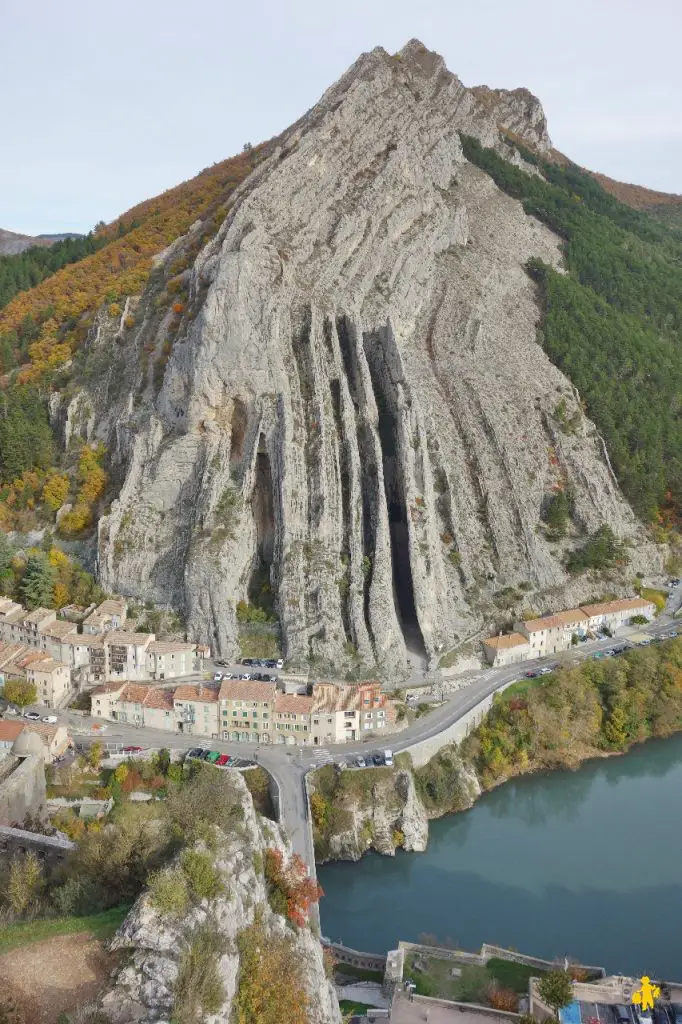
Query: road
[289, 765]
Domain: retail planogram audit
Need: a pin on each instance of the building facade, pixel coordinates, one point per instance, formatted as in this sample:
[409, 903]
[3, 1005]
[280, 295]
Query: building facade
[509, 649]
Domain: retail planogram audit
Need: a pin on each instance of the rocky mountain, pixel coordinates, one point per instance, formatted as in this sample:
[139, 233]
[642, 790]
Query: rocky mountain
[12, 243]
[350, 399]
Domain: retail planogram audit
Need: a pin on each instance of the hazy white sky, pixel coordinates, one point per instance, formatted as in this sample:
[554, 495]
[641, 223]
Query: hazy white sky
[105, 104]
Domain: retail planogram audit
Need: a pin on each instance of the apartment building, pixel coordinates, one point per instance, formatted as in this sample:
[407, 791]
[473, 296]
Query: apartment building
[51, 678]
[548, 635]
[293, 718]
[247, 711]
[196, 710]
[169, 659]
[507, 649]
[54, 640]
[617, 613]
[109, 615]
[104, 700]
[11, 615]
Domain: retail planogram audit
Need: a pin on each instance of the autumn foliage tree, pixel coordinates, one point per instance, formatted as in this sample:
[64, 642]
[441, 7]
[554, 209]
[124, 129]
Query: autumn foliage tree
[290, 891]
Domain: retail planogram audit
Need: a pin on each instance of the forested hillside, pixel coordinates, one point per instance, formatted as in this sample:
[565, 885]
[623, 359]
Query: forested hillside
[613, 324]
[44, 324]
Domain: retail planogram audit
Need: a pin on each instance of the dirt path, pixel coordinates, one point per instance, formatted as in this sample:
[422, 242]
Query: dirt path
[50, 977]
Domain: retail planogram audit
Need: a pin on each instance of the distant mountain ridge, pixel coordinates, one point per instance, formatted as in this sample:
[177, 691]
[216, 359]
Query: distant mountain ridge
[12, 243]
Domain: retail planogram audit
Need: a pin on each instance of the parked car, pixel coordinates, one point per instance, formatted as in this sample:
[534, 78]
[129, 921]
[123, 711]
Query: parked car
[245, 675]
[217, 677]
[545, 671]
[129, 750]
[222, 760]
[598, 655]
[530, 675]
[279, 663]
[360, 762]
[377, 759]
[195, 754]
[388, 758]
[673, 633]
[622, 1014]
[620, 649]
[50, 719]
[32, 716]
[247, 661]
[675, 582]
[213, 756]
[9, 710]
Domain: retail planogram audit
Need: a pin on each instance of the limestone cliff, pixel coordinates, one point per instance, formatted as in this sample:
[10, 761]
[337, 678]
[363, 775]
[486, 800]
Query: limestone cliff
[355, 404]
[157, 945]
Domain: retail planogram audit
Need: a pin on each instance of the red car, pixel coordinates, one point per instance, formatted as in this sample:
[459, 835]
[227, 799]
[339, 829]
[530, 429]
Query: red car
[132, 750]
[223, 759]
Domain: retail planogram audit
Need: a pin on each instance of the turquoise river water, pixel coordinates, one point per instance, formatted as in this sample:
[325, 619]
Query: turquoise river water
[587, 863]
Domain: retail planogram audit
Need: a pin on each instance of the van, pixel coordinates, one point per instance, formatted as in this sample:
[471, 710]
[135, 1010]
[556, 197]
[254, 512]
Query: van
[388, 757]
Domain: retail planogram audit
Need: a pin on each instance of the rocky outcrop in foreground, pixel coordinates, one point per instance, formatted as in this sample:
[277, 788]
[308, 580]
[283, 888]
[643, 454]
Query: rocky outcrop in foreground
[355, 407]
[160, 946]
[384, 810]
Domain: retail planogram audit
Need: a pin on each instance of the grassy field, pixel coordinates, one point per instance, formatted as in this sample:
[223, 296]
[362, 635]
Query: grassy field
[434, 977]
[102, 926]
[659, 597]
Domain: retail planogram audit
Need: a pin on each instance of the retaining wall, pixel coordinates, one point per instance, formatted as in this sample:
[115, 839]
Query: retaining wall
[354, 957]
[15, 841]
[22, 788]
[424, 750]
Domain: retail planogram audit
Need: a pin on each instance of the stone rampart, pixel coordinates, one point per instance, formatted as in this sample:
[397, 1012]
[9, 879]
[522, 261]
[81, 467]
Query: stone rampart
[16, 842]
[22, 788]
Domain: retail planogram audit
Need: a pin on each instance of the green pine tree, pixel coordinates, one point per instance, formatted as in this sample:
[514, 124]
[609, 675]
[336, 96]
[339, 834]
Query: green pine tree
[37, 584]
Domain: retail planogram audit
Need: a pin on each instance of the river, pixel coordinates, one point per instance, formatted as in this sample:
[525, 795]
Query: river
[586, 863]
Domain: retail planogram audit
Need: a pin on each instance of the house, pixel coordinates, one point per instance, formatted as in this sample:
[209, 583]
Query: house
[51, 678]
[507, 649]
[8, 733]
[344, 712]
[613, 614]
[53, 640]
[11, 617]
[575, 620]
[10, 655]
[104, 700]
[33, 623]
[159, 709]
[196, 710]
[126, 654]
[168, 659]
[109, 615]
[54, 738]
[129, 705]
[548, 635]
[292, 718]
[247, 710]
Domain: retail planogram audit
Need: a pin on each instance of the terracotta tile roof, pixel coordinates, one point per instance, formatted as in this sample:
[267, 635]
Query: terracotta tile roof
[48, 732]
[135, 693]
[204, 693]
[170, 647]
[571, 617]
[548, 622]
[122, 637]
[159, 698]
[46, 664]
[9, 731]
[627, 604]
[330, 697]
[10, 653]
[108, 688]
[501, 643]
[38, 615]
[59, 629]
[292, 703]
[247, 689]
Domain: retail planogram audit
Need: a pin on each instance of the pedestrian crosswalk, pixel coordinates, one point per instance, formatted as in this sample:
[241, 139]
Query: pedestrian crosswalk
[322, 756]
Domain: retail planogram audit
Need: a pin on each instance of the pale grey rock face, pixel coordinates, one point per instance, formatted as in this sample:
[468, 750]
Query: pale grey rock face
[360, 408]
[143, 989]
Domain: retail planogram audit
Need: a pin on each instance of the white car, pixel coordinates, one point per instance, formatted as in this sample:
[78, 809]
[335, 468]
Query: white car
[280, 663]
[388, 758]
[32, 716]
[50, 719]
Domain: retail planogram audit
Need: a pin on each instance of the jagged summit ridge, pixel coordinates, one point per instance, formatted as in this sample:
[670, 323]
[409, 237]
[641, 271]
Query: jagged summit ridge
[361, 410]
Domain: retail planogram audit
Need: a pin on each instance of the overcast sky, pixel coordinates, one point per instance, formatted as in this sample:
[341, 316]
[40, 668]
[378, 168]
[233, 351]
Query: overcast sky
[105, 104]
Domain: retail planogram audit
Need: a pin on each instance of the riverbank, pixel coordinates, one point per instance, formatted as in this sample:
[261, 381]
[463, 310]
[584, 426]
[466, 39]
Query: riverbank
[600, 708]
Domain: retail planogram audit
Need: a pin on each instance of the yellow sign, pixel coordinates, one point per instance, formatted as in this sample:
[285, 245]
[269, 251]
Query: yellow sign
[646, 996]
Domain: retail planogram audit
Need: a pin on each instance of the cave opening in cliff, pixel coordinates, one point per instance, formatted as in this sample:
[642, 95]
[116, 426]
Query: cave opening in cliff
[238, 432]
[394, 486]
[261, 587]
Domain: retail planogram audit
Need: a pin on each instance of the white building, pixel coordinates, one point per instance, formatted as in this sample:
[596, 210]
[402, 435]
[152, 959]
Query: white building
[506, 650]
[109, 615]
[617, 613]
[169, 659]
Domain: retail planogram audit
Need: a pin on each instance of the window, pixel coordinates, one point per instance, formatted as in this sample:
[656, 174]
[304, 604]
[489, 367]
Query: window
[265, 714]
[235, 714]
[245, 714]
[254, 714]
